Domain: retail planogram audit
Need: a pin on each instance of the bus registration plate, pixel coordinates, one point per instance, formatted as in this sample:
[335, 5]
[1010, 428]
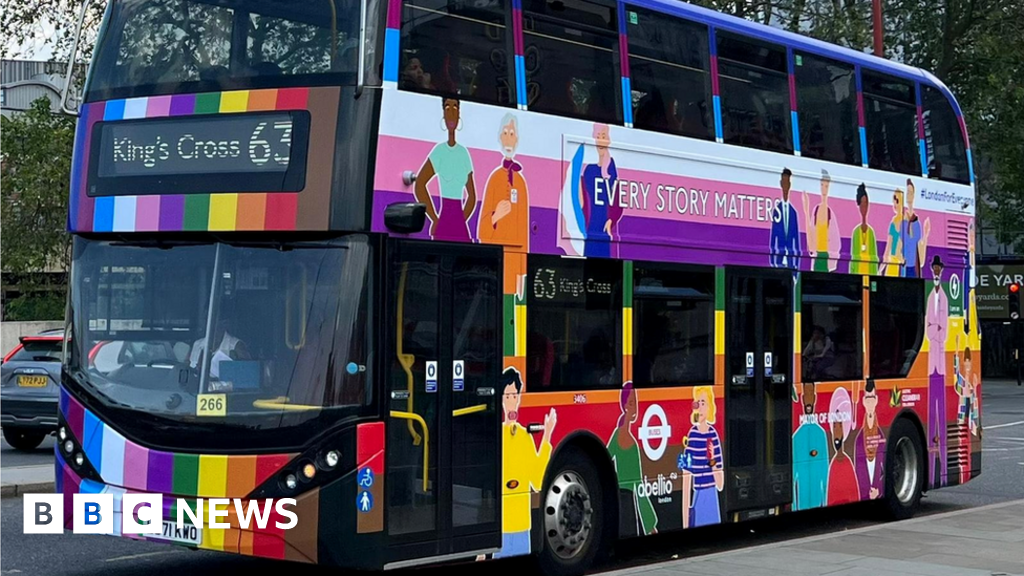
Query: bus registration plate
[187, 534]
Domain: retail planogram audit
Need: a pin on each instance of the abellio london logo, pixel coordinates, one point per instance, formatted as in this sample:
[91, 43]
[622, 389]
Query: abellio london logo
[144, 514]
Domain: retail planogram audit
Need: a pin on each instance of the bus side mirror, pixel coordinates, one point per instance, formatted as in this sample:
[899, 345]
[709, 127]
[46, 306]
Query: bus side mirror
[406, 217]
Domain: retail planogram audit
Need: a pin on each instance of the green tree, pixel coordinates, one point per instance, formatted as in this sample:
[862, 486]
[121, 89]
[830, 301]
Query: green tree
[35, 164]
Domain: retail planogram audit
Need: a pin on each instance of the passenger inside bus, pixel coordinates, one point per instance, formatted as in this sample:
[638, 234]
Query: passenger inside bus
[818, 355]
[598, 365]
[656, 112]
[541, 359]
[229, 347]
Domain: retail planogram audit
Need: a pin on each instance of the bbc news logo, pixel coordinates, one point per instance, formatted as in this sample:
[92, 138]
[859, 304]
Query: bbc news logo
[144, 514]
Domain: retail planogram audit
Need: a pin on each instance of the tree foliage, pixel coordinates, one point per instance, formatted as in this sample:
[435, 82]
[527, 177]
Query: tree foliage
[26, 24]
[36, 168]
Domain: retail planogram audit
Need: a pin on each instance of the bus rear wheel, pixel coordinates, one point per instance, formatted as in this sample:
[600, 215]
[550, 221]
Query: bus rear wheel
[573, 516]
[904, 480]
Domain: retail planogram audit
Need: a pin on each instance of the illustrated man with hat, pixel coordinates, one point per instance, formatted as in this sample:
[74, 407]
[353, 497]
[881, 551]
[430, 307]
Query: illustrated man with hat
[936, 326]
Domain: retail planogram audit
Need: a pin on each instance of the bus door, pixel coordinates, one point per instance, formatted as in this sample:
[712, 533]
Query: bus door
[444, 362]
[759, 369]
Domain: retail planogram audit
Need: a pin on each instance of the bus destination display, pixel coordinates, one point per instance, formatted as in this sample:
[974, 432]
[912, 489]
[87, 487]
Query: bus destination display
[259, 152]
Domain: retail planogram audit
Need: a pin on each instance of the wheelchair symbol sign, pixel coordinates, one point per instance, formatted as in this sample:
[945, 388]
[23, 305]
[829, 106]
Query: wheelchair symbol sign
[365, 478]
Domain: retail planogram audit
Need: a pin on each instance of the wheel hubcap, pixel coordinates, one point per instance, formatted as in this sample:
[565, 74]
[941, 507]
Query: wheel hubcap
[568, 515]
[905, 470]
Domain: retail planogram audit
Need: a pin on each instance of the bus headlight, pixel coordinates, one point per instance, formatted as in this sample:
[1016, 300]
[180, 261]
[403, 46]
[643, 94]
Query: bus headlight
[79, 459]
[291, 482]
[331, 459]
[308, 471]
[69, 446]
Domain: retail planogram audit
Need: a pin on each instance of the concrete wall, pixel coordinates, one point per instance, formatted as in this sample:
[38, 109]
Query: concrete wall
[11, 331]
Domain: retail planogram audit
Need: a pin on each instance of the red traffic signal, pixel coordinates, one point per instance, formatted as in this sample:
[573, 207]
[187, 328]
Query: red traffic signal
[1013, 300]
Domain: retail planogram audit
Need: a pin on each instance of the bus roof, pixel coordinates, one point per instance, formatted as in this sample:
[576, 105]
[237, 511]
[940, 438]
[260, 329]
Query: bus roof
[798, 41]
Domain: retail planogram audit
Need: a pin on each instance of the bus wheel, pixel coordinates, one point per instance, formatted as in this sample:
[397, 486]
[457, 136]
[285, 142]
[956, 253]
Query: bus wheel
[573, 516]
[905, 470]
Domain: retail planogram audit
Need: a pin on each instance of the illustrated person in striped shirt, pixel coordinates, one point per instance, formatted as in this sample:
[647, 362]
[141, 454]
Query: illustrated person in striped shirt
[701, 463]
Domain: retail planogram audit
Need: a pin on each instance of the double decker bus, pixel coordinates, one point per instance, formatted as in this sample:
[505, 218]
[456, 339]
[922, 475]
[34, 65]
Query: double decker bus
[473, 280]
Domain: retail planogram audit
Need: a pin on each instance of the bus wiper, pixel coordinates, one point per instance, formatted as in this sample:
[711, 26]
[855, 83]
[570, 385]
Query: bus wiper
[160, 244]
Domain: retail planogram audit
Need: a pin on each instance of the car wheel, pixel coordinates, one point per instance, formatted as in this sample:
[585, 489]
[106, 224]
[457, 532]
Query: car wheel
[22, 439]
[573, 516]
[905, 470]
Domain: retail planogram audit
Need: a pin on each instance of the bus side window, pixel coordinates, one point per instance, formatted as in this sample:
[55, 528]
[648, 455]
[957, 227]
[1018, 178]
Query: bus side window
[670, 78]
[458, 49]
[897, 325]
[826, 94]
[574, 314]
[832, 326]
[947, 152]
[890, 118]
[572, 59]
[673, 325]
[753, 79]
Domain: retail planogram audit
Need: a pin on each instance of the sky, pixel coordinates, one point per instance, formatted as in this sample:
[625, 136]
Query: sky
[38, 47]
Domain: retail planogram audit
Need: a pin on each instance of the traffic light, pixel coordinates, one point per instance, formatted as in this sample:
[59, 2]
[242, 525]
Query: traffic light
[1013, 297]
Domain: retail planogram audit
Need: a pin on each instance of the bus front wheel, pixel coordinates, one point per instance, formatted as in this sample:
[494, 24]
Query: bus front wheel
[905, 474]
[573, 516]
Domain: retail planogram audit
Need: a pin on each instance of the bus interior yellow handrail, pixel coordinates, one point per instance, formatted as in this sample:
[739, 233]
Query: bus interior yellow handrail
[413, 417]
[405, 360]
[469, 410]
[281, 403]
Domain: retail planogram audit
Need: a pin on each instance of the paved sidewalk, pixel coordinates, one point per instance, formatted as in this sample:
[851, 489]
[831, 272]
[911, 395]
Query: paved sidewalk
[984, 541]
[26, 480]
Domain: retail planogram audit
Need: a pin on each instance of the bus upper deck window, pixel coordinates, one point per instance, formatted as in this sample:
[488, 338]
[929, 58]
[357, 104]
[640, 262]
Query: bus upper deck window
[826, 93]
[890, 118]
[572, 59]
[947, 152]
[458, 49]
[754, 85]
[670, 74]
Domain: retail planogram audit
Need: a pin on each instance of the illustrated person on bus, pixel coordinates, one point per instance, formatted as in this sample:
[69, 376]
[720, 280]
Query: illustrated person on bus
[625, 454]
[970, 279]
[863, 247]
[601, 210]
[936, 318]
[915, 237]
[701, 463]
[823, 239]
[842, 480]
[504, 218]
[967, 412]
[967, 388]
[523, 466]
[810, 456]
[894, 246]
[450, 162]
[784, 241]
[869, 453]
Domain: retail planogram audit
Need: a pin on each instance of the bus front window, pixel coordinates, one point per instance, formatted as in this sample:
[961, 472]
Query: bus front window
[175, 46]
[251, 337]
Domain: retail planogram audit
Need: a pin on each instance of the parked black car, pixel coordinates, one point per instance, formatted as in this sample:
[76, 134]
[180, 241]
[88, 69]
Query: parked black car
[30, 389]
